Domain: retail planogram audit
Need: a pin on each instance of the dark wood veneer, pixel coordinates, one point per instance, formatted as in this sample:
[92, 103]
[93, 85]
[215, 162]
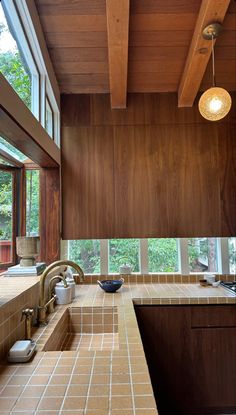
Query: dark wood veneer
[153, 170]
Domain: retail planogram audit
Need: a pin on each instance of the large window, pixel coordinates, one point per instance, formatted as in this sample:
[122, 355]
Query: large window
[163, 255]
[12, 63]
[32, 202]
[87, 254]
[22, 64]
[232, 255]
[155, 255]
[202, 253]
[6, 216]
[123, 251]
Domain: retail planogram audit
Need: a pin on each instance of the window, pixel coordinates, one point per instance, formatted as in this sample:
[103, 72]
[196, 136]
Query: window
[87, 254]
[154, 255]
[232, 255]
[6, 216]
[49, 118]
[32, 202]
[8, 148]
[123, 251]
[12, 64]
[163, 255]
[22, 64]
[202, 253]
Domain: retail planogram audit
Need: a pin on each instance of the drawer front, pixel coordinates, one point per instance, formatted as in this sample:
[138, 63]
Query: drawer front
[213, 316]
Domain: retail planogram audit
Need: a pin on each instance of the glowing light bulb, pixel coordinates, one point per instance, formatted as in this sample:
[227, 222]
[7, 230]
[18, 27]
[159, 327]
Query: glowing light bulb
[215, 104]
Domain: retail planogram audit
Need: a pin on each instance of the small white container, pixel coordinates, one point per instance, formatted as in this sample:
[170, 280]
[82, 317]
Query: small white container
[210, 278]
[71, 283]
[125, 269]
[63, 293]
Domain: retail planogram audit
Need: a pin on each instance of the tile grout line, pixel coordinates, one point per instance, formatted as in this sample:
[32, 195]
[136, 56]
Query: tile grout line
[25, 386]
[89, 385]
[50, 377]
[68, 385]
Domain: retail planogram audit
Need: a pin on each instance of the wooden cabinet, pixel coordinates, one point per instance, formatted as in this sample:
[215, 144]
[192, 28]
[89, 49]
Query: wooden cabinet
[153, 170]
[191, 353]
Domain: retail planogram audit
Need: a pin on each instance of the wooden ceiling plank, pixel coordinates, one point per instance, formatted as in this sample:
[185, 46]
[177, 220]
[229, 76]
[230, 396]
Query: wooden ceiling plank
[196, 62]
[118, 38]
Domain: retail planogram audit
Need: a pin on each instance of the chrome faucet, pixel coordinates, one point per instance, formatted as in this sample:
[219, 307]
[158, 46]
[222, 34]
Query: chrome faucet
[43, 303]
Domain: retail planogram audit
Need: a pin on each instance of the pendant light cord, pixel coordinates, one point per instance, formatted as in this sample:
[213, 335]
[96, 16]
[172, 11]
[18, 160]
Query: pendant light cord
[213, 61]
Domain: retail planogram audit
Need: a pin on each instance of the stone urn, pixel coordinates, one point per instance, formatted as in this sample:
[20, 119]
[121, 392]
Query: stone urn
[27, 247]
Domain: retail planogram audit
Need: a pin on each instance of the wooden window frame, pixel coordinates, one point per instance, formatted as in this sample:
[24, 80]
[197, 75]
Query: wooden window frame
[15, 207]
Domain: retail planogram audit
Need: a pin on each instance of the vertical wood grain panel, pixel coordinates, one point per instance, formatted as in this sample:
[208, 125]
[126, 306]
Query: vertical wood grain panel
[192, 182]
[87, 182]
[49, 215]
[140, 171]
[227, 178]
[152, 170]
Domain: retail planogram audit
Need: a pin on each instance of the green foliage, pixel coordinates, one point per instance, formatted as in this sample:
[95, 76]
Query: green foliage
[87, 254]
[32, 202]
[163, 255]
[123, 251]
[12, 68]
[232, 255]
[5, 205]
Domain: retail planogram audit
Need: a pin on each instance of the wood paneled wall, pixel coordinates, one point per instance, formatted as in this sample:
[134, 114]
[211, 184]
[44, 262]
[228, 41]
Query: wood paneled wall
[49, 214]
[152, 170]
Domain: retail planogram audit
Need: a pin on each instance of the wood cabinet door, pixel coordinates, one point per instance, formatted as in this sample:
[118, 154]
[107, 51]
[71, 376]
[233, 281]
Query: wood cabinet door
[191, 354]
[213, 346]
[165, 332]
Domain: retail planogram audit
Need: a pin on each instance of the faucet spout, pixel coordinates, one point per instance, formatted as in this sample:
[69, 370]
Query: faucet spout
[42, 300]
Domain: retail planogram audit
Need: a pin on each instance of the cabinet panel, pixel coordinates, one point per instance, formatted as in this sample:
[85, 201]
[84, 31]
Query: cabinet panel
[193, 368]
[87, 183]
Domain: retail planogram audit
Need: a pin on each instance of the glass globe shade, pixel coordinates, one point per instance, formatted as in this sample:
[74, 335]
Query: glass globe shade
[214, 103]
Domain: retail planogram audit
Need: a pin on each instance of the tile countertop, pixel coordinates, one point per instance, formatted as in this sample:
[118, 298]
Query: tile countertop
[111, 381]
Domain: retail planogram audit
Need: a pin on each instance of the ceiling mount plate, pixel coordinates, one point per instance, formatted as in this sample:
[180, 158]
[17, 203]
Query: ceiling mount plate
[212, 30]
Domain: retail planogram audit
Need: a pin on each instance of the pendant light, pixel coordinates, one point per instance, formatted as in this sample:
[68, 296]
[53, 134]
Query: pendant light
[214, 103]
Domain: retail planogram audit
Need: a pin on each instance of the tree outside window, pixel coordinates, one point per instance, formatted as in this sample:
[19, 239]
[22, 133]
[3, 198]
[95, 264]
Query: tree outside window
[6, 216]
[12, 64]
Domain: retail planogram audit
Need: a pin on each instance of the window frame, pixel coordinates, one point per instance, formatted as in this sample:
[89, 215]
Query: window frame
[15, 206]
[19, 18]
[183, 260]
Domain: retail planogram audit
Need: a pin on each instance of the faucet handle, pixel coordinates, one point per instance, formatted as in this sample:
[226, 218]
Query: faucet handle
[27, 312]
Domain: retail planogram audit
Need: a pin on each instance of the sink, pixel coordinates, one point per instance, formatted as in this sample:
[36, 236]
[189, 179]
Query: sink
[89, 328]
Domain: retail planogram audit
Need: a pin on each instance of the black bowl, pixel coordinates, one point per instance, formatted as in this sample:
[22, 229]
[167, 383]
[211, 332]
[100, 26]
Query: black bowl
[110, 286]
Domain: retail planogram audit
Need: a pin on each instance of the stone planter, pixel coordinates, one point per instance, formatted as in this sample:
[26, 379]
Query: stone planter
[27, 247]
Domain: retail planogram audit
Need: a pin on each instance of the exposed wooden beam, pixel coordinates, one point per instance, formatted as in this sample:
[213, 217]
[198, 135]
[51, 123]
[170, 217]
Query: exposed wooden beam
[118, 37]
[199, 51]
[16, 121]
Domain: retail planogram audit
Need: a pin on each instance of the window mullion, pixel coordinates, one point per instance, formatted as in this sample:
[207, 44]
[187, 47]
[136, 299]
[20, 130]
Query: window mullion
[223, 255]
[104, 256]
[144, 256]
[183, 256]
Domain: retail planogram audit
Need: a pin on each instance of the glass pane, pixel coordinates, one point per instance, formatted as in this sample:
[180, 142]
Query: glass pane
[202, 253]
[8, 148]
[4, 162]
[6, 216]
[123, 251]
[12, 64]
[86, 253]
[32, 202]
[49, 119]
[163, 255]
[232, 255]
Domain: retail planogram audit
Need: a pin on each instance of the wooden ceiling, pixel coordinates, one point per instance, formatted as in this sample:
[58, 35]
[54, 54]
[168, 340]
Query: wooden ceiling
[159, 35]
